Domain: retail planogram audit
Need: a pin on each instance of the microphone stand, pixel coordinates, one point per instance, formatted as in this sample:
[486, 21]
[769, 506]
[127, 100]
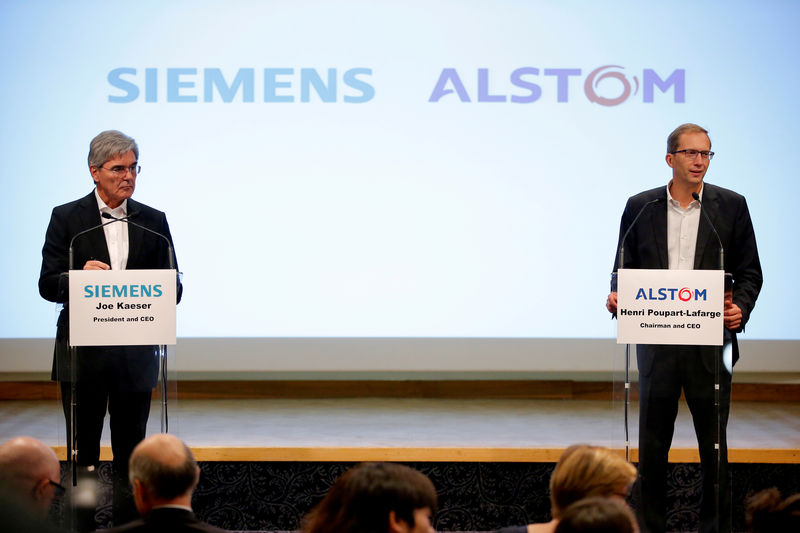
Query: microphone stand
[72, 423]
[621, 264]
[162, 348]
[717, 358]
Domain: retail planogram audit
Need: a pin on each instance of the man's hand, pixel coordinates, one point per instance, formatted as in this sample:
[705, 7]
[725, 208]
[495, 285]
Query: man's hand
[611, 303]
[94, 264]
[732, 314]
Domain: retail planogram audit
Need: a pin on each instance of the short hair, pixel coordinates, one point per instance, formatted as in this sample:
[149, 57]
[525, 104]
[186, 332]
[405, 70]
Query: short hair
[108, 144]
[674, 138]
[768, 512]
[362, 498]
[583, 471]
[597, 515]
[164, 481]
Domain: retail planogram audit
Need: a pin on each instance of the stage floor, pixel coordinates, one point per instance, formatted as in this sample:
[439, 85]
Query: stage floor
[523, 430]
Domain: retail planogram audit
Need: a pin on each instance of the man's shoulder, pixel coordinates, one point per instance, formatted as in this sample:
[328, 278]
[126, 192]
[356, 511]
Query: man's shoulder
[130, 527]
[143, 210]
[711, 191]
[80, 203]
[167, 519]
[649, 195]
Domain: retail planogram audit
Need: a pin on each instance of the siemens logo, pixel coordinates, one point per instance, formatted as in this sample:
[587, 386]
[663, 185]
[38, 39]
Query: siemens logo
[531, 84]
[685, 294]
[122, 291]
[210, 85]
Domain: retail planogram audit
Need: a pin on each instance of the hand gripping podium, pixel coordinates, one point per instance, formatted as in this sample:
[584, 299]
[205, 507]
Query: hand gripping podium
[120, 310]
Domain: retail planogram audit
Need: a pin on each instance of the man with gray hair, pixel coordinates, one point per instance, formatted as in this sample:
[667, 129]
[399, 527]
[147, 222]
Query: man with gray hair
[164, 473]
[119, 379]
[30, 472]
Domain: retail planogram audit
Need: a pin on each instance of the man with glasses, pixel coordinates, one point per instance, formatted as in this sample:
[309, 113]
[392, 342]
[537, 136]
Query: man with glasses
[671, 233]
[30, 472]
[117, 378]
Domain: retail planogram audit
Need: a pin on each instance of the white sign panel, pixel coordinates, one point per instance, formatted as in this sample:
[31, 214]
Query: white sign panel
[122, 307]
[670, 306]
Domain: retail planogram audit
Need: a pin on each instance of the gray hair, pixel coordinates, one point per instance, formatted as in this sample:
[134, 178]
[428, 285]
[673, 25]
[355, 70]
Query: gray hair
[108, 144]
[674, 137]
[164, 481]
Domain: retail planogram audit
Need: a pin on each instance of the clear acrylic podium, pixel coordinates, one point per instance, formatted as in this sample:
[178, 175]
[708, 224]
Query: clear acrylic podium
[666, 312]
[112, 359]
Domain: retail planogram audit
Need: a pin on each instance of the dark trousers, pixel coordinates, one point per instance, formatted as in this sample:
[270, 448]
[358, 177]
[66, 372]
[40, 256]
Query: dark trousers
[128, 413]
[663, 372]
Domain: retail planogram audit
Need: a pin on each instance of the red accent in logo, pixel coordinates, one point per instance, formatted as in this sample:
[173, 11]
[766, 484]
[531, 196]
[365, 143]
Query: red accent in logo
[688, 294]
[591, 84]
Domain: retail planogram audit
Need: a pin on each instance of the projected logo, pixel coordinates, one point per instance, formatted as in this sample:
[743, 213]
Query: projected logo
[280, 85]
[683, 294]
[607, 85]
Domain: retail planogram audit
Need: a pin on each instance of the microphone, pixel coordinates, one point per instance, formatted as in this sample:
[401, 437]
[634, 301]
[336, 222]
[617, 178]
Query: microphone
[72, 241]
[621, 255]
[128, 218]
[721, 249]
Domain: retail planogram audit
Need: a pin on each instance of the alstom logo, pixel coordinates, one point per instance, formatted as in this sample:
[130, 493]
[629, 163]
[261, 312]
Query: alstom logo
[607, 85]
[683, 294]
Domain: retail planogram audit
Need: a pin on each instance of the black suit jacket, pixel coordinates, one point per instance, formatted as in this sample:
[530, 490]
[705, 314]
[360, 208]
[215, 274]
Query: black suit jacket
[167, 520]
[132, 367]
[646, 245]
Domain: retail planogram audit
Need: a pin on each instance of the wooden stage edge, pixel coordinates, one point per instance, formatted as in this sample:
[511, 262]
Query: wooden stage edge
[457, 455]
[444, 389]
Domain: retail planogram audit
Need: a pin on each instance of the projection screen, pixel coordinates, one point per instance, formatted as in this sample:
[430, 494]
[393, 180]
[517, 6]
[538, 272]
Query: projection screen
[424, 184]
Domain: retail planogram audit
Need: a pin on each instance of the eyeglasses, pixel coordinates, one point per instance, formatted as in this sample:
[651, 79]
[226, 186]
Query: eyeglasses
[691, 154]
[58, 488]
[120, 171]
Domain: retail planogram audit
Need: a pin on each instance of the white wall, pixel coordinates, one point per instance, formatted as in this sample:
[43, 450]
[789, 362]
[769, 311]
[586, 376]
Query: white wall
[582, 359]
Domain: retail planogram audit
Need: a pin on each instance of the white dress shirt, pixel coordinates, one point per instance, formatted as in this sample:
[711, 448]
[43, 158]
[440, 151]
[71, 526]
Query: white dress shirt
[116, 233]
[682, 225]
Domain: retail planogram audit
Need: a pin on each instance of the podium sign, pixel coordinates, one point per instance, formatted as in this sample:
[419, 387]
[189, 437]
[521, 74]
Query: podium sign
[670, 306]
[122, 307]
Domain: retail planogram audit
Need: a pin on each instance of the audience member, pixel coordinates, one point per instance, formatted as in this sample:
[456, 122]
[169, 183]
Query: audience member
[376, 498]
[588, 488]
[164, 473]
[768, 512]
[597, 514]
[21, 518]
[30, 471]
[583, 471]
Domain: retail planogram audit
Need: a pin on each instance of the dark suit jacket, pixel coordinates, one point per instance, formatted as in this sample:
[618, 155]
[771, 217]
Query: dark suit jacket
[131, 367]
[167, 520]
[646, 245]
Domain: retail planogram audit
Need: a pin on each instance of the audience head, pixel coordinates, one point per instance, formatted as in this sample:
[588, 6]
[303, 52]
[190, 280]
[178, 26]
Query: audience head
[29, 469]
[163, 471]
[376, 498]
[584, 471]
[768, 512]
[597, 515]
